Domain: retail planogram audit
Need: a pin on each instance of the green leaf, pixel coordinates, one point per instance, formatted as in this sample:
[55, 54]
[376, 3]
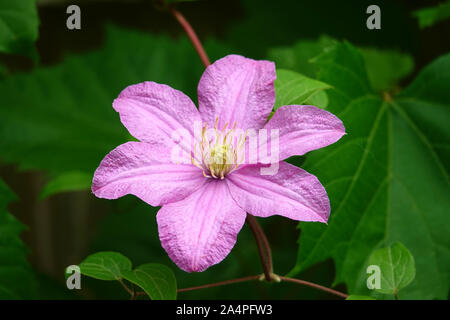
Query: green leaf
[430, 16]
[299, 57]
[105, 266]
[396, 265]
[60, 119]
[68, 181]
[387, 179]
[356, 297]
[386, 68]
[157, 280]
[294, 88]
[18, 25]
[17, 280]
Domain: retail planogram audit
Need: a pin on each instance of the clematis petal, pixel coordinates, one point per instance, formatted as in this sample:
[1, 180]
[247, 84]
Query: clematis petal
[200, 230]
[146, 171]
[304, 128]
[152, 112]
[237, 89]
[291, 192]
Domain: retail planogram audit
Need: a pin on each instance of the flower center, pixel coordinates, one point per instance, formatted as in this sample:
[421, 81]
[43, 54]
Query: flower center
[221, 151]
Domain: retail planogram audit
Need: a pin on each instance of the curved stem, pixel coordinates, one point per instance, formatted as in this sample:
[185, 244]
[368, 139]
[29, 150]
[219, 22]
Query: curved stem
[316, 286]
[266, 244]
[221, 283]
[264, 251]
[131, 292]
[258, 277]
[191, 34]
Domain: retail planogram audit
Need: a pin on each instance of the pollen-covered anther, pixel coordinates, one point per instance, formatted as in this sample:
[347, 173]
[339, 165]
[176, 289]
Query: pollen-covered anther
[221, 153]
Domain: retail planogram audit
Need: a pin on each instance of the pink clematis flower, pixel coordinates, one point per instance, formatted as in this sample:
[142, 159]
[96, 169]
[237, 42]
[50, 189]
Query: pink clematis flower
[204, 202]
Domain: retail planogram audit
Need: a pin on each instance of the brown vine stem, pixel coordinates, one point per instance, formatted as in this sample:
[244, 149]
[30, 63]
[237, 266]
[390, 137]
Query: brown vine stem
[258, 277]
[221, 283]
[315, 285]
[264, 251]
[130, 291]
[191, 34]
[134, 294]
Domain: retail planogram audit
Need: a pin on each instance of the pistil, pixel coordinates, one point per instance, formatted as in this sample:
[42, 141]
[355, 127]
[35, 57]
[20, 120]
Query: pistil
[220, 153]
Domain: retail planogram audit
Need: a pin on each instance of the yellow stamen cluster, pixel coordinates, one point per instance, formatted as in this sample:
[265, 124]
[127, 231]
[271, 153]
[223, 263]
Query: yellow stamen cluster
[220, 154]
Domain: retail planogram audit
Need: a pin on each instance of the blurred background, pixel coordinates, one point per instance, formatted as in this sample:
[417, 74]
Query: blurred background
[123, 42]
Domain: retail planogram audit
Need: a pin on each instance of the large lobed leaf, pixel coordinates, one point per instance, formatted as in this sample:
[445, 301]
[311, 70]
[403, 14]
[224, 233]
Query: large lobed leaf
[387, 179]
[385, 68]
[17, 280]
[292, 88]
